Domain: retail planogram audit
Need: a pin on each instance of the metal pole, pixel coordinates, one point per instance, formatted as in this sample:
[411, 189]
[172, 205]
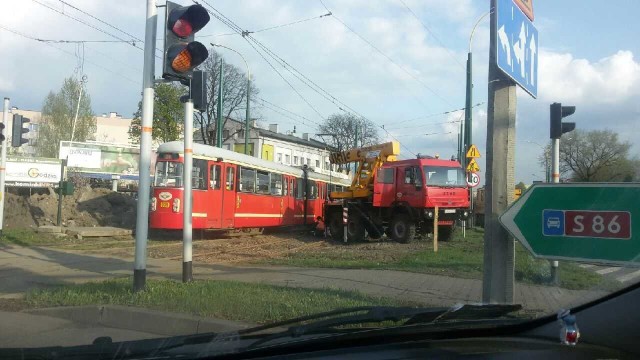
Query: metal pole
[555, 277]
[63, 164]
[187, 214]
[345, 220]
[219, 122]
[499, 251]
[144, 183]
[75, 119]
[247, 116]
[468, 119]
[3, 160]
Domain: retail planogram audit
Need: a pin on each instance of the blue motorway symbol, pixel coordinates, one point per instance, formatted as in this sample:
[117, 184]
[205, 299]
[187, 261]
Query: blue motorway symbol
[552, 222]
[517, 46]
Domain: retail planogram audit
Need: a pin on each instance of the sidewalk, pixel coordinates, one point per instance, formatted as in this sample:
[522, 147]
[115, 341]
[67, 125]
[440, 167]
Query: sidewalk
[22, 269]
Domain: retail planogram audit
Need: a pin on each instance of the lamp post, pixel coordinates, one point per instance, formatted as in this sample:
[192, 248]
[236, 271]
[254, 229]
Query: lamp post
[468, 115]
[247, 115]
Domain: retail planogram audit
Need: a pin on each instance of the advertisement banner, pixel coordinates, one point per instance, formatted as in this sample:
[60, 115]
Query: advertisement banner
[32, 172]
[99, 158]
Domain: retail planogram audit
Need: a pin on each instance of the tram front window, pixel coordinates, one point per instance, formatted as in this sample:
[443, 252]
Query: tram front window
[168, 174]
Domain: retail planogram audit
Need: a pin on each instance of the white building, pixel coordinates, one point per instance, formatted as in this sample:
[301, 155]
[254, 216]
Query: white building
[286, 148]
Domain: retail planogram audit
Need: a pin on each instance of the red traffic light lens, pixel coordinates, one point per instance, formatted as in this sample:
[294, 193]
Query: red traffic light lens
[184, 21]
[182, 28]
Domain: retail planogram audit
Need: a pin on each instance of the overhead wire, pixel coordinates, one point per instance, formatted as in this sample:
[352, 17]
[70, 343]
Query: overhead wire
[430, 116]
[432, 34]
[270, 27]
[232, 25]
[387, 57]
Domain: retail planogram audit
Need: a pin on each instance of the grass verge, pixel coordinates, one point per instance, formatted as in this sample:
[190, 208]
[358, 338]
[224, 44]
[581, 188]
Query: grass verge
[459, 257]
[231, 300]
[26, 237]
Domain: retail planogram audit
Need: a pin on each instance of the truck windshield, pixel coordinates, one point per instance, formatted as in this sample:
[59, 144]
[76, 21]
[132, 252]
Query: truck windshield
[168, 174]
[444, 176]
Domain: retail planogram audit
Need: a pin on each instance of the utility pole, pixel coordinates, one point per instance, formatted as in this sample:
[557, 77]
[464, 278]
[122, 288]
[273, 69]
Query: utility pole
[499, 255]
[219, 122]
[3, 162]
[75, 118]
[247, 116]
[144, 184]
[187, 214]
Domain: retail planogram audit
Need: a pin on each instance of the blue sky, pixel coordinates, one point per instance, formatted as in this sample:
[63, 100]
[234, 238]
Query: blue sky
[588, 58]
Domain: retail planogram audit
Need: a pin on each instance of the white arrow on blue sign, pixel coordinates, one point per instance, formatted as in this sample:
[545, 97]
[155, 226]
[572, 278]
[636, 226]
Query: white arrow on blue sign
[517, 46]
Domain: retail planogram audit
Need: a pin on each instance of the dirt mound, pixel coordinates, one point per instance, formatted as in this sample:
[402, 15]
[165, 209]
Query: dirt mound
[86, 207]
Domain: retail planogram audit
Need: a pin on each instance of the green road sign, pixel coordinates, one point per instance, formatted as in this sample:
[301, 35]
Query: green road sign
[591, 222]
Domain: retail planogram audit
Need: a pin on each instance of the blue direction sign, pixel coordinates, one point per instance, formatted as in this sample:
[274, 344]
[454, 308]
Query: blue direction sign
[517, 46]
[591, 222]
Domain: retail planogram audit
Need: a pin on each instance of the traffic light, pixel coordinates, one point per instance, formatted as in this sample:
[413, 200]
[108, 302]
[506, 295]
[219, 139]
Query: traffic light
[557, 126]
[2, 138]
[18, 130]
[181, 53]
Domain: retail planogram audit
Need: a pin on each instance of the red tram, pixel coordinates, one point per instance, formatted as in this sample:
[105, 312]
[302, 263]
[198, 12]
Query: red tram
[232, 190]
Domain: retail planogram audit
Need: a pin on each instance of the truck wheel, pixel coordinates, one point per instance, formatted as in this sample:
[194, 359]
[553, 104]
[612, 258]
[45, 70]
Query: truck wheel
[403, 230]
[445, 233]
[335, 226]
[355, 229]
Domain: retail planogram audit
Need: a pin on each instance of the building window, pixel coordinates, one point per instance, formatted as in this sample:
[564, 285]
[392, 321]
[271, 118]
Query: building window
[317, 163]
[287, 159]
[308, 162]
[225, 134]
[326, 165]
[295, 160]
[279, 157]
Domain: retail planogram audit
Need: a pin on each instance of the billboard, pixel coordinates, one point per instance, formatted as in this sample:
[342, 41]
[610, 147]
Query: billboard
[32, 172]
[100, 158]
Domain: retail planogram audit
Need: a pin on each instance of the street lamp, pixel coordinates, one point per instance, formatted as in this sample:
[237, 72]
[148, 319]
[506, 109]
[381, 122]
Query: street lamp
[247, 115]
[546, 158]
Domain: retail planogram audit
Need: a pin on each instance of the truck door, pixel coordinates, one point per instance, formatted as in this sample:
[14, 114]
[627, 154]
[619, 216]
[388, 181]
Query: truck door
[410, 186]
[384, 189]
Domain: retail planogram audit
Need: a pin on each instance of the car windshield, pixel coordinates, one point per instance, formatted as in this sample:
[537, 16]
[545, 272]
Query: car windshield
[444, 176]
[168, 174]
[179, 167]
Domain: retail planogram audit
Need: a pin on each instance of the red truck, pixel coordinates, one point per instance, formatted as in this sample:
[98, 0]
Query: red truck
[397, 197]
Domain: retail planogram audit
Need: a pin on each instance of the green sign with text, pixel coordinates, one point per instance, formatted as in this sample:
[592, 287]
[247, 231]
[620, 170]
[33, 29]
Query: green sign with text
[591, 222]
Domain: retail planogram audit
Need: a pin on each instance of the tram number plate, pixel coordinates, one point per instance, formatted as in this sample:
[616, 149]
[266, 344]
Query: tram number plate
[164, 204]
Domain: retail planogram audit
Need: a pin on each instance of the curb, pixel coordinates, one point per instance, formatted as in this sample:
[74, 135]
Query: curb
[132, 318]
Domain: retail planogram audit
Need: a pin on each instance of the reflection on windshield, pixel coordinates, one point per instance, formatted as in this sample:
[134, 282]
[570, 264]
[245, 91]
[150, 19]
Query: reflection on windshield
[444, 176]
[168, 174]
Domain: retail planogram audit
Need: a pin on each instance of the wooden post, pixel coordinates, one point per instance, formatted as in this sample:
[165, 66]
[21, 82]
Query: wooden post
[435, 230]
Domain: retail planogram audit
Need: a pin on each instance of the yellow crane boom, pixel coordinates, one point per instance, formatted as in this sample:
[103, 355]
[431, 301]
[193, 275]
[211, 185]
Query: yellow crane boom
[368, 160]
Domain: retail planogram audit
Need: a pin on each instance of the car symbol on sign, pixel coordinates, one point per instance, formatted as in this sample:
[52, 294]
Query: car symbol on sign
[553, 222]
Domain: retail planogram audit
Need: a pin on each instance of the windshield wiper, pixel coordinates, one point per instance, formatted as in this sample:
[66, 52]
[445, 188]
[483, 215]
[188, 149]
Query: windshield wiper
[411, 316]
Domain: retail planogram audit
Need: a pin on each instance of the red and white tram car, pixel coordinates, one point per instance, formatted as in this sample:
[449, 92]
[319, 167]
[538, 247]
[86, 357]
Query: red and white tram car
[232, 190]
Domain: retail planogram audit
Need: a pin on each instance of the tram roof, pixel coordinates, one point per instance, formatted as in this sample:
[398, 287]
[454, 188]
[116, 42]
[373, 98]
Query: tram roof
[207, 151]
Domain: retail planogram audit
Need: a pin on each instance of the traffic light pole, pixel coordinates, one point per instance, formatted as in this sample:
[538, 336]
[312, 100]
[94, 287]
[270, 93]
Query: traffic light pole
[219, 122]
[187, 214]
[144, 184]
[3, 162]
[556, 179]
[499, 254]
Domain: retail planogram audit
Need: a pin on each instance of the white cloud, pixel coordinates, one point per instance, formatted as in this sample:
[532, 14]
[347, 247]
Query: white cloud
[611, 80]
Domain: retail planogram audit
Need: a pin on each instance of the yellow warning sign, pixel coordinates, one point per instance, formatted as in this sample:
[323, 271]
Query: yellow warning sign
[473, 152]
[473, 166]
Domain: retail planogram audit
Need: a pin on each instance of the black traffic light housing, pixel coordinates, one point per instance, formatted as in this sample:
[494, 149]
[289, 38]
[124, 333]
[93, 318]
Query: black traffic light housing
[181, 53]
[18, 130]
[2, 138]
[557, 126]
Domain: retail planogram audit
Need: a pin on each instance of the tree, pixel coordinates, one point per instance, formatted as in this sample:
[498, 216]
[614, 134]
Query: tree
[522, 186]
[341, 130]
[168, 114]
[597, 156]
[58, 113]
[234, 96]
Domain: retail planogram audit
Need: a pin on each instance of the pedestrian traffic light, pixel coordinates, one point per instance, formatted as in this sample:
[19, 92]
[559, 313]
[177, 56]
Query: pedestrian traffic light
[2, 138]
[18, 130]
[181, 53]
[557, 127]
